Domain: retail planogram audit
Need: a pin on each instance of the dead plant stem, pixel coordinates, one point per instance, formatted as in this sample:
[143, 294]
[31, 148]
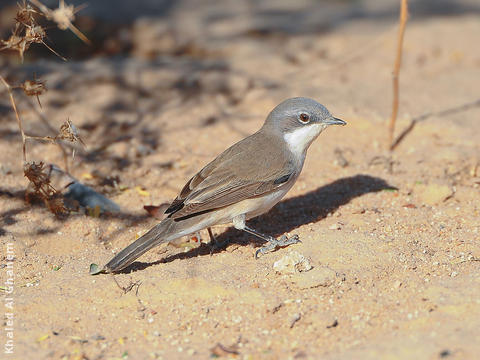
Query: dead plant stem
[19, 122]
[396, 70]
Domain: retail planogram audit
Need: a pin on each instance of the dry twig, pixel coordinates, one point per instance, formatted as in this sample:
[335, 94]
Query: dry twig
[426, 116]
[396, 70]
[68, 130]
[63, 16]
[19, 122]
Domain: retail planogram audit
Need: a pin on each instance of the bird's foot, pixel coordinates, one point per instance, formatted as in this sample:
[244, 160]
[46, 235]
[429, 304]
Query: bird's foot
[274, 244]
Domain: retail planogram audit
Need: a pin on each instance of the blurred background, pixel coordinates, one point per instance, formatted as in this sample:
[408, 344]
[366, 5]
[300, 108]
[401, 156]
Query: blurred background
[150, 28]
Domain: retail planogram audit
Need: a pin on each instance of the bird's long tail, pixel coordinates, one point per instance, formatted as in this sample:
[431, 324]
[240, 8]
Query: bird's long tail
[159, 234]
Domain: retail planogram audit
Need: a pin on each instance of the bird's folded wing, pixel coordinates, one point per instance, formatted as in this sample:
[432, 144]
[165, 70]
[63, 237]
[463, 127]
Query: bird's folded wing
[222, 193]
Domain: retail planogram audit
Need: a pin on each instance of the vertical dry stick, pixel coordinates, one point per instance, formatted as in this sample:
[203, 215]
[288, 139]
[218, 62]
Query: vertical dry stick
[20, 125]
[396, 70]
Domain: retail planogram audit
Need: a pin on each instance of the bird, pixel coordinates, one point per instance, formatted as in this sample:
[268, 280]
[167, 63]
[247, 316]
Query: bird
[244, 181]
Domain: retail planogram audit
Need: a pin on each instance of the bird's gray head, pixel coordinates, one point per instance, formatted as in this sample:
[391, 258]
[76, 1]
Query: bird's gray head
[299, 121]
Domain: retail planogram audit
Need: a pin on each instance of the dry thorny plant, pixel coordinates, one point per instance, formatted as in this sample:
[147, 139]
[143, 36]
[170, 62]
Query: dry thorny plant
[28, 31]
[63, 16]
[39, 179]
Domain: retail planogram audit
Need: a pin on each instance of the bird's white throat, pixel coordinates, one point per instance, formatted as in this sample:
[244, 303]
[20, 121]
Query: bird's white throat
[300, 139]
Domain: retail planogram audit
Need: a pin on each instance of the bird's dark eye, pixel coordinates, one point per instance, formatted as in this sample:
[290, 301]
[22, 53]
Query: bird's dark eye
[304, 118]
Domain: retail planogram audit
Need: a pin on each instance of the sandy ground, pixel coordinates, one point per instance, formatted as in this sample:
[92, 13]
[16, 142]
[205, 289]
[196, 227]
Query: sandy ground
[394, 239]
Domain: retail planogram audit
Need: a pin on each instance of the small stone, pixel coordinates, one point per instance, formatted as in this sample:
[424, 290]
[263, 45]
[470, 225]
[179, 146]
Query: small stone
[321, 276]
[292, 263]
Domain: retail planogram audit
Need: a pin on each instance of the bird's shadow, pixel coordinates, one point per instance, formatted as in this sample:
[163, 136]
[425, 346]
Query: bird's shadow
[288, 215]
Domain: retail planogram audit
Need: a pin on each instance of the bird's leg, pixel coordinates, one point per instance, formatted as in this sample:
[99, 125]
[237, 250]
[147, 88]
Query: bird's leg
[213, 239]
[214, 243]
[272, 242]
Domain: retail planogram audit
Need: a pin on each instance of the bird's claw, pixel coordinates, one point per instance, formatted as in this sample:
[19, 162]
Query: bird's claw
[274, 244]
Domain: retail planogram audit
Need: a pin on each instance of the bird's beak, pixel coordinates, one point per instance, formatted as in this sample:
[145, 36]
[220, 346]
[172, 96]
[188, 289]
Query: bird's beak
[334, 121]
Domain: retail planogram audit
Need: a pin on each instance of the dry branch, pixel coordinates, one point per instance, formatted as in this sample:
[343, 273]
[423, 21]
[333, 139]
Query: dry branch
[396, 70]
[19, 122]
[68, 131]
